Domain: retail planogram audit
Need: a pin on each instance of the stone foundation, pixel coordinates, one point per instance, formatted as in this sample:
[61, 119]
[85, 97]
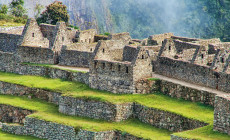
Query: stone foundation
[222, 114]
[95, 109]
[173, 137]
[18, 90]
[165, 120]
[183, 92]
[10, 114]
[53, 131]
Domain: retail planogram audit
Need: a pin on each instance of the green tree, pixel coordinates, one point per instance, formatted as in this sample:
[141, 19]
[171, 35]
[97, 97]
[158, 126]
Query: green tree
[3, 9]
[17, 8]
[37, 10]
[55, 12]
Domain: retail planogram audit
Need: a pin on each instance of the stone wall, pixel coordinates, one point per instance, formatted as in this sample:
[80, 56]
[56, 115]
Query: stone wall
[95, 109]
[86, 36]
[173, 137]
[8, 64]
[100, 37]
[74, 58]
[47, 30]
[37, 55]
[129, 53]
[221, 114]
[73, 106]
[185, 39]
[9, 42]
[123, 37]
[18, 90]
[7, 61]
[32, 35]
[166, 120]
[193, 73]
[112, 76]
[180, 45]
[10, 114]
[111, 50]
[184, 92]
[158, 39]
[53, 131]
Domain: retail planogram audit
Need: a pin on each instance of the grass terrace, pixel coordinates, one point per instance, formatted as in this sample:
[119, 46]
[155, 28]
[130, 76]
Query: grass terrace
[10, 24]
[78, 90]
[49, 112]
[6, 136]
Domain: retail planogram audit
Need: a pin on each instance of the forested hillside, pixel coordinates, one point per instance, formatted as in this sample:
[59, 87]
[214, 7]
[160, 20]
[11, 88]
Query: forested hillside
[191, 18]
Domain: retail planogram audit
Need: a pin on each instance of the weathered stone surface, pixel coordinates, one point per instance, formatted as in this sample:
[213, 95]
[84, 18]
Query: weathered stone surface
[95, 109]
[54, 131]
[173, 137]
[167, 120]
[10, 114]
[222, 114]
[18, 90]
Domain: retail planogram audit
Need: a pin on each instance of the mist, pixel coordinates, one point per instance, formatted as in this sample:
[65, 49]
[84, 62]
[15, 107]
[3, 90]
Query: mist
[139, 17]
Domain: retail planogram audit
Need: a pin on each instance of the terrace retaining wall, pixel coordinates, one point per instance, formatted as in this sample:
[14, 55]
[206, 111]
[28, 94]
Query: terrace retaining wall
[54, 131]
[95, 109]
[10, 114]
[222, 114]
[166, 120]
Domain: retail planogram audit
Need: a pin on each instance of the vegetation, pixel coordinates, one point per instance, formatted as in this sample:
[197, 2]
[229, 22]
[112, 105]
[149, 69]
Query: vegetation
[17, 8]
[49, 112]
[6, 136]
[204, 133]
[78, 90]
[75, 27]
[3, 9]
[54, 12]
[16, 16]
[37, 10]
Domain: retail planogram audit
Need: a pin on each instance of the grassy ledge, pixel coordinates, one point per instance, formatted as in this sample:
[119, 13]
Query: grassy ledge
[78, 90]
[7, 136]
[52, 66]
[204, 133]
[49, 112]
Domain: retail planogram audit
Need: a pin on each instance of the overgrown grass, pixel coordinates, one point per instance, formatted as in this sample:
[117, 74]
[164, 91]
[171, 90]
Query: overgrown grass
[7, 136]
[10, 24]
[49, 112]
[204, 133]
[78, 90]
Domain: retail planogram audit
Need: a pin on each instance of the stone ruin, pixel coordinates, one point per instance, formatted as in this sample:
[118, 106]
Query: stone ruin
[120, 64]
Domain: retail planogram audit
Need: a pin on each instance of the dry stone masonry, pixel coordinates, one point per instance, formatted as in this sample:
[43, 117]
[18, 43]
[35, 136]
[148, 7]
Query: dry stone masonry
[117, 64]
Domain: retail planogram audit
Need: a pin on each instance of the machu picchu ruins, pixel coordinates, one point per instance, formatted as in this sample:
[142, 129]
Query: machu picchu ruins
[112, 85]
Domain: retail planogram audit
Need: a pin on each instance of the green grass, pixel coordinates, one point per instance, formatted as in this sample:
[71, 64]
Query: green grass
[10, 24]
[7, 136]
[78, 90]
[49, 112]
[204, 133]
[53, 66]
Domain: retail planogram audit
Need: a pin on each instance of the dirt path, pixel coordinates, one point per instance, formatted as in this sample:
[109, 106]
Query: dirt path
[72, 68]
